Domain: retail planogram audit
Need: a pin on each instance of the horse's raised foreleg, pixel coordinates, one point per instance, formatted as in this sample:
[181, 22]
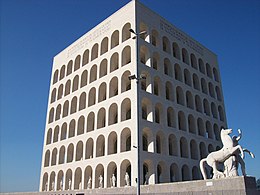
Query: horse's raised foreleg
[249, 152]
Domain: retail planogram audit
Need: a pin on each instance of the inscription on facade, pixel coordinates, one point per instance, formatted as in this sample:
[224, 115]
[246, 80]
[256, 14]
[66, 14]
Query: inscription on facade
[85, 40]
[181, 37]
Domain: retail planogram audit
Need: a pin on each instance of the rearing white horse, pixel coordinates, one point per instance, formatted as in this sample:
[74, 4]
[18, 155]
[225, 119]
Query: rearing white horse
[221, 155]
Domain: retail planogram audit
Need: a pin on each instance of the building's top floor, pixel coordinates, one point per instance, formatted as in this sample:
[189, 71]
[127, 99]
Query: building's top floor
[114, 30]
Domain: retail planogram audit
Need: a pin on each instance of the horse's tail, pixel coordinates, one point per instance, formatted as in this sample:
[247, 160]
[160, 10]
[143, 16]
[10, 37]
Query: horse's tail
[202, 168]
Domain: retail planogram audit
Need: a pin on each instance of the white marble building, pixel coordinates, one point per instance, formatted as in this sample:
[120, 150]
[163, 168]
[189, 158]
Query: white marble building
[93, 110]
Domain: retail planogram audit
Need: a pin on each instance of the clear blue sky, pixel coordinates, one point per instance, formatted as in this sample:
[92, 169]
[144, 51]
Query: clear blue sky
[34, 31]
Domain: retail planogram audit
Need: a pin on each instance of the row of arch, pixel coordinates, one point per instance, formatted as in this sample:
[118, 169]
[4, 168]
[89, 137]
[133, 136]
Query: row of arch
[186, 77]
[150, 174]
[173, 49]
[90, 55]
[90, 149]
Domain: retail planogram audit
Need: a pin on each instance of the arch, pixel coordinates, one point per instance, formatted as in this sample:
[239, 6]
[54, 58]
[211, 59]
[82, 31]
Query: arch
[208, 70]
[166, 45]
[155, 38]
[75, 83]
[77, 63]
[203, 152]
[184, 151]
[216, 132]
[113, 114]
[92, 96]
[125, 140]
[209, 130]
[102, 92]
[91, 122]
[85, 59]
[82, 101]
[189, 100]
[70, 153]
[204, 86]
[173, 145]
[177, 72]
[51, 115]
[89, 148]
[69, 68]
[53, 95]
[176, 50]
[49, 136]
[195, 173]
[160, 143]
[179, 96]
[169, 91]
[103, 68]
[185, 172]
[215, 74]
[192, 124]
[210, 148]
[79, 151]
[157, 86]
[58, 112]
[171, 118]
[201, 128]
[67, 88]
[174, 173]
[62, 155]
[145, 36]
[81, 125]
[125, 32]
[45, 182]
[60, 92]
[193, 61]
[113, 87]
[145, 56]
[55, 77]
[114, 61]
[63, 135]
[72, 127]
[68, 179]
[201, 66]
[125, 82]
[112, 143]
[94, 51]
[100, 146]
[126, 56]
[206, 107]
[218, 92]
[148, 173]
[196, 82]
[193, 150]
[73, 106]
[111, 171]
[147, 113]
[147, 140]
[167, 67]
[187, 77]
[214, 110]
[126, 109]
[115, 39]
[221, 113]
[211, 90]
[161, 172]
[99, 172]
[56, 133]
[185, 56]
[125, 168]
[93, 73]
[60, 180]
[104, 46]
[101, 118]
[88, 174]
[52, 181]
[84, 78]
[158, 117]
[198, 104]
[156, 61]
[146, 84]
[65, 111]
[47, 158]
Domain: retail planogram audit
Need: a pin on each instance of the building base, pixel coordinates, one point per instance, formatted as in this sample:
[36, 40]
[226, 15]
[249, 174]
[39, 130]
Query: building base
[230, 186]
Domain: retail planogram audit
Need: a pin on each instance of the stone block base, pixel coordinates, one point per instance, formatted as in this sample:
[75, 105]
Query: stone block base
[227, 186]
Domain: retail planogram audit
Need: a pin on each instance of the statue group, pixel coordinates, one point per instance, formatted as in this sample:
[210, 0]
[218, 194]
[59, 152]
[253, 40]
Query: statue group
[230, 156]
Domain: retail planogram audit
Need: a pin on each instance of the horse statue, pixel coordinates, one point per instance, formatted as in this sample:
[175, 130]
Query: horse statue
[221, 155]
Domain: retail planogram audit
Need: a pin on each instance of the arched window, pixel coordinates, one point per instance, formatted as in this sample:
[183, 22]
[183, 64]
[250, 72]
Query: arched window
[63, 131]
[79, 151]
[70, 153]
[65, 111]
[113, 114]
[175, 50]
[90, 122]
[214, 110]
[173, 145]
[209, 71]
[193, 150]
[147, 110]
[62, 72]
[215, 74]
[189, 100]
[156, 61]
[77, 63]
[125, 140]
[201, 128]
[201, 66]
[112, 143]
[192, 124]
[49, 136]
[125, 32]
[58, 112]
[55, 77]
[206, 107]
[219, 97]
[193, 61]
[75, 84]
[93, 73]
[169, 93]
[72, 126]
[178, 73]
[181, 121]
[89, 149]
[73, 106]
[60, 92]
[145, 56]
[94, 52]
[104, 46]
[53, 95]
[69, 67]
[100, 144]
[47, 158]
[126, 109]
[221, 113]
[85, 57]
[101, 118]
[209, 130]
[211, 90]
[196, 82]
[56, 134]
[102, 92]
[113, 87]
[179, 96]
[84, 78]
[62, 155]
[184, 148]
[54, 157]
[92, 96]
[103, 68]
[67, 88]
[155, 38]
[157, 86]
[187, 77]
[204, 86]
[167, 67]
[158, 113]
[145, 36]
[81, 125]
[114, 62]
[126, 55]
[198, 104]
[185, 56]
[171, 120]
[166, 45]
[125, 82]
[115, 39]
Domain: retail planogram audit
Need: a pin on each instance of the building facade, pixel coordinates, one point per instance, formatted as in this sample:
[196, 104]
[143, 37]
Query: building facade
[95, 112]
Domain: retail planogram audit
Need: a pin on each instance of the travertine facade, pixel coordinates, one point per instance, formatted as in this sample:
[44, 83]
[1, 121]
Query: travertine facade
[91, 126]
